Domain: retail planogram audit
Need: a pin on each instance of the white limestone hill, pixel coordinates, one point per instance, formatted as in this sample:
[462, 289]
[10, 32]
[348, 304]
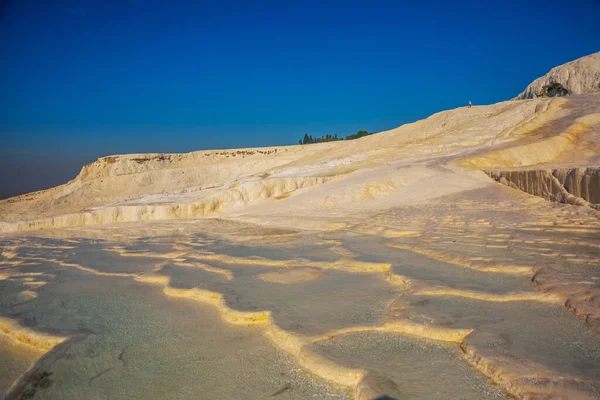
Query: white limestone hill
[447, 154]
[576, 77]
[476, 228]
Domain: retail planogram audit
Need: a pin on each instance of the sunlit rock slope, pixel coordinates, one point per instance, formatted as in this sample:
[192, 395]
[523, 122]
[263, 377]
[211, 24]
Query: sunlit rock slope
[575, 77]
[413, 164]
[462, 249]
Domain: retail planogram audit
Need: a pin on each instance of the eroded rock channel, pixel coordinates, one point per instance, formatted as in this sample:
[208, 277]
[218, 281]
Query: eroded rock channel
[577, 186]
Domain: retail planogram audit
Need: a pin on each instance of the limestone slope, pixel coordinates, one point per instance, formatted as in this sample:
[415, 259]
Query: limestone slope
[363, 269]
[416, 163]
[576, 77]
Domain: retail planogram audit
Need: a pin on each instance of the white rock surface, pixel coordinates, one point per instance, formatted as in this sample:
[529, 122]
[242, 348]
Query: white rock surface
[415, 163]
[326, 254]
[578, 77]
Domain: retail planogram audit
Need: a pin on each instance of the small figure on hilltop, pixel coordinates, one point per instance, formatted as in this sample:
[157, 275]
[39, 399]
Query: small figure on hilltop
[470, 104]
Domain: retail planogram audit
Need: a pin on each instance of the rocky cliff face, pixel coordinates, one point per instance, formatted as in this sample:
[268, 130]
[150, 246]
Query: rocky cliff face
[575, 77]
[577, 186]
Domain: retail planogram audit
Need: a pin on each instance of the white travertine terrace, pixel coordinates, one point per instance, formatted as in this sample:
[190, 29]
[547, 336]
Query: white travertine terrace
[577, 77]
[468, 241]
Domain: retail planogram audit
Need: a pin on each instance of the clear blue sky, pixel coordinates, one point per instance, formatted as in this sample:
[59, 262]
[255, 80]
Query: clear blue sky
[84, 79]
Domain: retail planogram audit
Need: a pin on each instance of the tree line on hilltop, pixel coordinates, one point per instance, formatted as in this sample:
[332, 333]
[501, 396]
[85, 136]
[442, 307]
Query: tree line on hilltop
[308, 139]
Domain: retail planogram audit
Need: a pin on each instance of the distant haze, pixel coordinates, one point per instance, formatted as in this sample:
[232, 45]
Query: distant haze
[28, 173]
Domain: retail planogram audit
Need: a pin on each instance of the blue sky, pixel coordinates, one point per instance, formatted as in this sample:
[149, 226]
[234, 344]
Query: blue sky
[84, 79]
